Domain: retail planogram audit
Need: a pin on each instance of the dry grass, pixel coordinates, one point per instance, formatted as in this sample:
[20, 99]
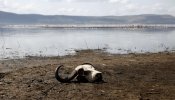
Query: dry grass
[127, 77]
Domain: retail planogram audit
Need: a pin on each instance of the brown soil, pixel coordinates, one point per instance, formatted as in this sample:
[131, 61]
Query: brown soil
[127, 77]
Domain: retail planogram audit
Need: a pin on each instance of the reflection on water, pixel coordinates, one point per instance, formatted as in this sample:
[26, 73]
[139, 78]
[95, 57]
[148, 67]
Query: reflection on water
[15, 43]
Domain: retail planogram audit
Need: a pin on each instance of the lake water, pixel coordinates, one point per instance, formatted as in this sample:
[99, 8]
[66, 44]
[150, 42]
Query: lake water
[21, 42]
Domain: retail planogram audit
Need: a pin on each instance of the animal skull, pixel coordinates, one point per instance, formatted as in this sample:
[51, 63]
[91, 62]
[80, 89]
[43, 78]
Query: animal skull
[83, 73]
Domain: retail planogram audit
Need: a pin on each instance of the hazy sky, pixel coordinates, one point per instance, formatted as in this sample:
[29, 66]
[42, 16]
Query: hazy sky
[89, 7]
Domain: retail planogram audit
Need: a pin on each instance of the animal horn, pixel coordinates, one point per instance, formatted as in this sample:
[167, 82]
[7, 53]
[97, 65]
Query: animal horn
[67, 78]
[87, 64]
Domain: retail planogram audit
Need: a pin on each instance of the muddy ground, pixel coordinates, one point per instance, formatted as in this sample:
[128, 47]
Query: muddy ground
[127, 77]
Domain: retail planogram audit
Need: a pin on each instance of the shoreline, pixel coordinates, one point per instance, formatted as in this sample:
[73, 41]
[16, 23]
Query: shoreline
[75, 51]
[127, 76]
[18, 61]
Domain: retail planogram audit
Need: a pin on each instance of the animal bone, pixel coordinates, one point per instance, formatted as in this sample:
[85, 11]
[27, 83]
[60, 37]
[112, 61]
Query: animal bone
[83, 73]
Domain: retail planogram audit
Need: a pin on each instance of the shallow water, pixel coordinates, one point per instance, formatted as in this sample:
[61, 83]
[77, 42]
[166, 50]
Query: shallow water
[21, 42]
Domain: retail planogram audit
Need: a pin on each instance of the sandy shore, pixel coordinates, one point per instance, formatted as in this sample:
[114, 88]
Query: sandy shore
[127, 77]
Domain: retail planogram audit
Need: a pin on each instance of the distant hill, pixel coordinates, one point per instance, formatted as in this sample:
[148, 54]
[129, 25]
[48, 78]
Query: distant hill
[12, 18]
